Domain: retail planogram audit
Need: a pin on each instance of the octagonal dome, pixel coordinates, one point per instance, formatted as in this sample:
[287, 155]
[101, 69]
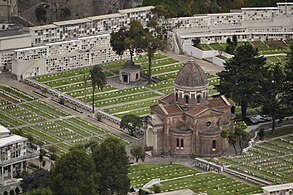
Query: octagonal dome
[191, 75]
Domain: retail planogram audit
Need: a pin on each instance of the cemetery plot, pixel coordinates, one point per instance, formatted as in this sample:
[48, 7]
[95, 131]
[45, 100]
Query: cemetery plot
[142, 174]
[46, 123]
[177, 177]
[209, 183]
[118, 102]
[270, 160]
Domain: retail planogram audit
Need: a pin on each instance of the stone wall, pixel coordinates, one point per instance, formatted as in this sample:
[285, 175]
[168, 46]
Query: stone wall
[57, 10]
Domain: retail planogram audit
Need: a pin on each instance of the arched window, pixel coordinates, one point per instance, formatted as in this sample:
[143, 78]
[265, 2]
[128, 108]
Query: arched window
[198, 99]
[186, 97]
[182, 143]
[176, 97]
[214, 144]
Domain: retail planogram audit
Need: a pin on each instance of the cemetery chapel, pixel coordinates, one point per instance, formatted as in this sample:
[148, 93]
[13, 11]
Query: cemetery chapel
[186, 123]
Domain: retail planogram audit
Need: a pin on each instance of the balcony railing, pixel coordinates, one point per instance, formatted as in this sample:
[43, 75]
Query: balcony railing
[21, 158]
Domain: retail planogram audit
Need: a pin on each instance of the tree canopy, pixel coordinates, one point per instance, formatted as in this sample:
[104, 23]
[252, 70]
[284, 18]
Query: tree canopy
[98, 79]
[242, 77]
[128, 39]
[272, 93]
[37, 179]
[131, 122]
[112, 165]
[74, 173]
[138, 153]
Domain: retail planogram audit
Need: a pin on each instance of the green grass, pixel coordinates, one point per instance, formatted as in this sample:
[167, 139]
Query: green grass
[211, 183]
[142, 174]
[223, 57]
[204, 47]
[131, 106]
[125, 99]
[266, 160]
[218, 46]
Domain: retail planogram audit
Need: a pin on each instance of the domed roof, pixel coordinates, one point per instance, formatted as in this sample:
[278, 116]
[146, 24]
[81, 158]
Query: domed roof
[191, 75]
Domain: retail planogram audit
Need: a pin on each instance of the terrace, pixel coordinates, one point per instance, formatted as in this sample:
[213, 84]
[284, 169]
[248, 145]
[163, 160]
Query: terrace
[118, 102]
[269, 160]
[47, 123]
[174, 177]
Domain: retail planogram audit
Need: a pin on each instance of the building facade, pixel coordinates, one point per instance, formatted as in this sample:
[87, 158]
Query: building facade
[248, 24]
[187, 123]
[86, 41]
[13, 158]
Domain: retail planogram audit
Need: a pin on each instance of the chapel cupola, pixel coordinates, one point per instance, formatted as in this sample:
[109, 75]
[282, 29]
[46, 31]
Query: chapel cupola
[191, 85]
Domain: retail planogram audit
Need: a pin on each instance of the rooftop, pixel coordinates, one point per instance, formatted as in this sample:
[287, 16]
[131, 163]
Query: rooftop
[11, 140]
[43, 27]
[68, 22]
[107, 16]
[3, 130]
[278, 187]
[137, 9]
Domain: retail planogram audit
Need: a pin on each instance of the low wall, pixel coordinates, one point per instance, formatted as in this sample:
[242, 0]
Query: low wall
[246, 177]
[218, 61]
[72, 100]
[208, 166]
[198, 53]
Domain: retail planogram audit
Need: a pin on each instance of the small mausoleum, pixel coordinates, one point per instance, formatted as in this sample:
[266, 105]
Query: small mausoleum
[129, 72]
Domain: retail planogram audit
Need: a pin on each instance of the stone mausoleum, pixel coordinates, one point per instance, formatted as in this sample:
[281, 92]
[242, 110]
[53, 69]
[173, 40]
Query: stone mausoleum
[186, 123]
[129, 72]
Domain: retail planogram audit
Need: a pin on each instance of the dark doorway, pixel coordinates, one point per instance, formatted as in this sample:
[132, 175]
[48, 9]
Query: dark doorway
[125, 78]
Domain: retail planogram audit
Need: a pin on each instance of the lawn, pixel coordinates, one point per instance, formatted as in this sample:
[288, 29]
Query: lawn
[46, 122]
[136, 100]
[270, 160]
[176, 177]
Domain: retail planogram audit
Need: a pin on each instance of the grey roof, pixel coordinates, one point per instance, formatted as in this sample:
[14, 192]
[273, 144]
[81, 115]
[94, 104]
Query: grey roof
[191, 75]
[129, 65]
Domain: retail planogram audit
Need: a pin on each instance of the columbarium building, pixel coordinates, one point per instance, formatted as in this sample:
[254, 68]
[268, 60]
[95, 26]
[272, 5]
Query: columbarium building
[185, 122]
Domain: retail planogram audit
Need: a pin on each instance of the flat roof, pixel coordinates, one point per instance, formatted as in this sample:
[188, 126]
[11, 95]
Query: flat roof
[11, 140]
[107, 16]
[15, 36]
[285, 3]
[191, 35]
[82, 20]
[137, 9]
[191, 17]
[61, 42]
[278, 187]
[221, 14]
[43, 27]
[90, 37]
[260, 8]
[3, 130]
[30, 48]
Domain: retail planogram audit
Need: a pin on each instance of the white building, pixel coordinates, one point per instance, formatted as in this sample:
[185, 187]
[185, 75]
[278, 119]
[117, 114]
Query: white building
[62, 56]
[84, 42]
[13, 158]
[282, 189]
[249, 24]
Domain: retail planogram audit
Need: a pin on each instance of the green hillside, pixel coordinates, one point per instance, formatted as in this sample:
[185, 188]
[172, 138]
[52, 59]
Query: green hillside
[191, 7]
